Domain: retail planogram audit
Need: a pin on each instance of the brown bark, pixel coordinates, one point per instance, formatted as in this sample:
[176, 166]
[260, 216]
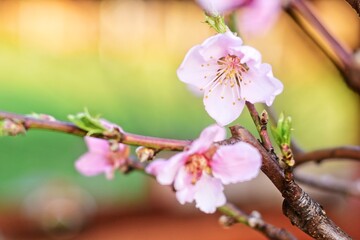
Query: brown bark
[355, 4]
[298, 206]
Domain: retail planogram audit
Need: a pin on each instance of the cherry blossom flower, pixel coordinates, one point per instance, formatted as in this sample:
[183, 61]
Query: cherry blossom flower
[229, 74]
[199, 172]
[100, 158]
[215, 7]
[256, 17]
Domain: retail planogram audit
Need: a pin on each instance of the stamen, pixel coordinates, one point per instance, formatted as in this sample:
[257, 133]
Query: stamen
[195, 165]
[229, 73]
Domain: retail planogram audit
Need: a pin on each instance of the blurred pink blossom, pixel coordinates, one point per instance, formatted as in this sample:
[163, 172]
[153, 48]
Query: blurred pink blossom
[100, 158]
[256, 17]
[199, 172]
[229, 74]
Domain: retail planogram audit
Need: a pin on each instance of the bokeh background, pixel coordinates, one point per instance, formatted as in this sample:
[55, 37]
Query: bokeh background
[119, 59]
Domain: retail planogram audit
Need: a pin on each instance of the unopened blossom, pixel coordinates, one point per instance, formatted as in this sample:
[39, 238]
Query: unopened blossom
[199, 173]
[101, 157]
[256, 16]
[229, 74]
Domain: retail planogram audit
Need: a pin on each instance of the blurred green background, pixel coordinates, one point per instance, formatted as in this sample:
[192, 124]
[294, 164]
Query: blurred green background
[119, 59]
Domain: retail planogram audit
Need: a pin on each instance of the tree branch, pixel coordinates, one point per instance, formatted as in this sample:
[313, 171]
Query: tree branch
[330, 184]
[345, 152]
[326, 183]
[304, 212]
[355, 4]
[261, 125]
[229, 210]
[348, 66]
[127, 138]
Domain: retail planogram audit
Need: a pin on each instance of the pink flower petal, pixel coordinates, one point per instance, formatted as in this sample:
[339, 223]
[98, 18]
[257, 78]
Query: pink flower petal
[223, 105]
[110, 172]
[209, 194]
[236, 163]
[191, 70]
[209, 135]
[166, 170]
[97, 145]
[258, 16]
[217, 46]
[219, 6]
[91, 164]
[154, 167]
[258, 85]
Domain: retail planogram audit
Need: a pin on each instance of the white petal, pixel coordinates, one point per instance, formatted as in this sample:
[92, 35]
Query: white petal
[250, 54]
[186, 195]
[222, 106]
[194, 70]
[182, 179]
[259, 85]
[217, 46]
[209, 194]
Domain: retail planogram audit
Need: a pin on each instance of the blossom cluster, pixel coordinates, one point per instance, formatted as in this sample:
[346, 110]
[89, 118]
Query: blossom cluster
[229, 74]
[199, 172]
[101, 157]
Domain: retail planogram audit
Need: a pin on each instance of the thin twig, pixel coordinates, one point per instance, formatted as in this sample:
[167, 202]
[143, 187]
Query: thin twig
[127, 138]
[330, 184]
[344, 152]
[261, 128]
[254, 221]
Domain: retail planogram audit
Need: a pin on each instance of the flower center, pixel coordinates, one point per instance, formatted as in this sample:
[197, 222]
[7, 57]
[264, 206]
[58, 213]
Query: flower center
[229, 73]
[195, 165]
[231, 69]
[118, 157]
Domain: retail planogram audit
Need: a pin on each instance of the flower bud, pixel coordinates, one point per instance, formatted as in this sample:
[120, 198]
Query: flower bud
[282, 132]
[226, 221]
[42, 116]
[145, 154]
[10, 127]
[264, 117]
